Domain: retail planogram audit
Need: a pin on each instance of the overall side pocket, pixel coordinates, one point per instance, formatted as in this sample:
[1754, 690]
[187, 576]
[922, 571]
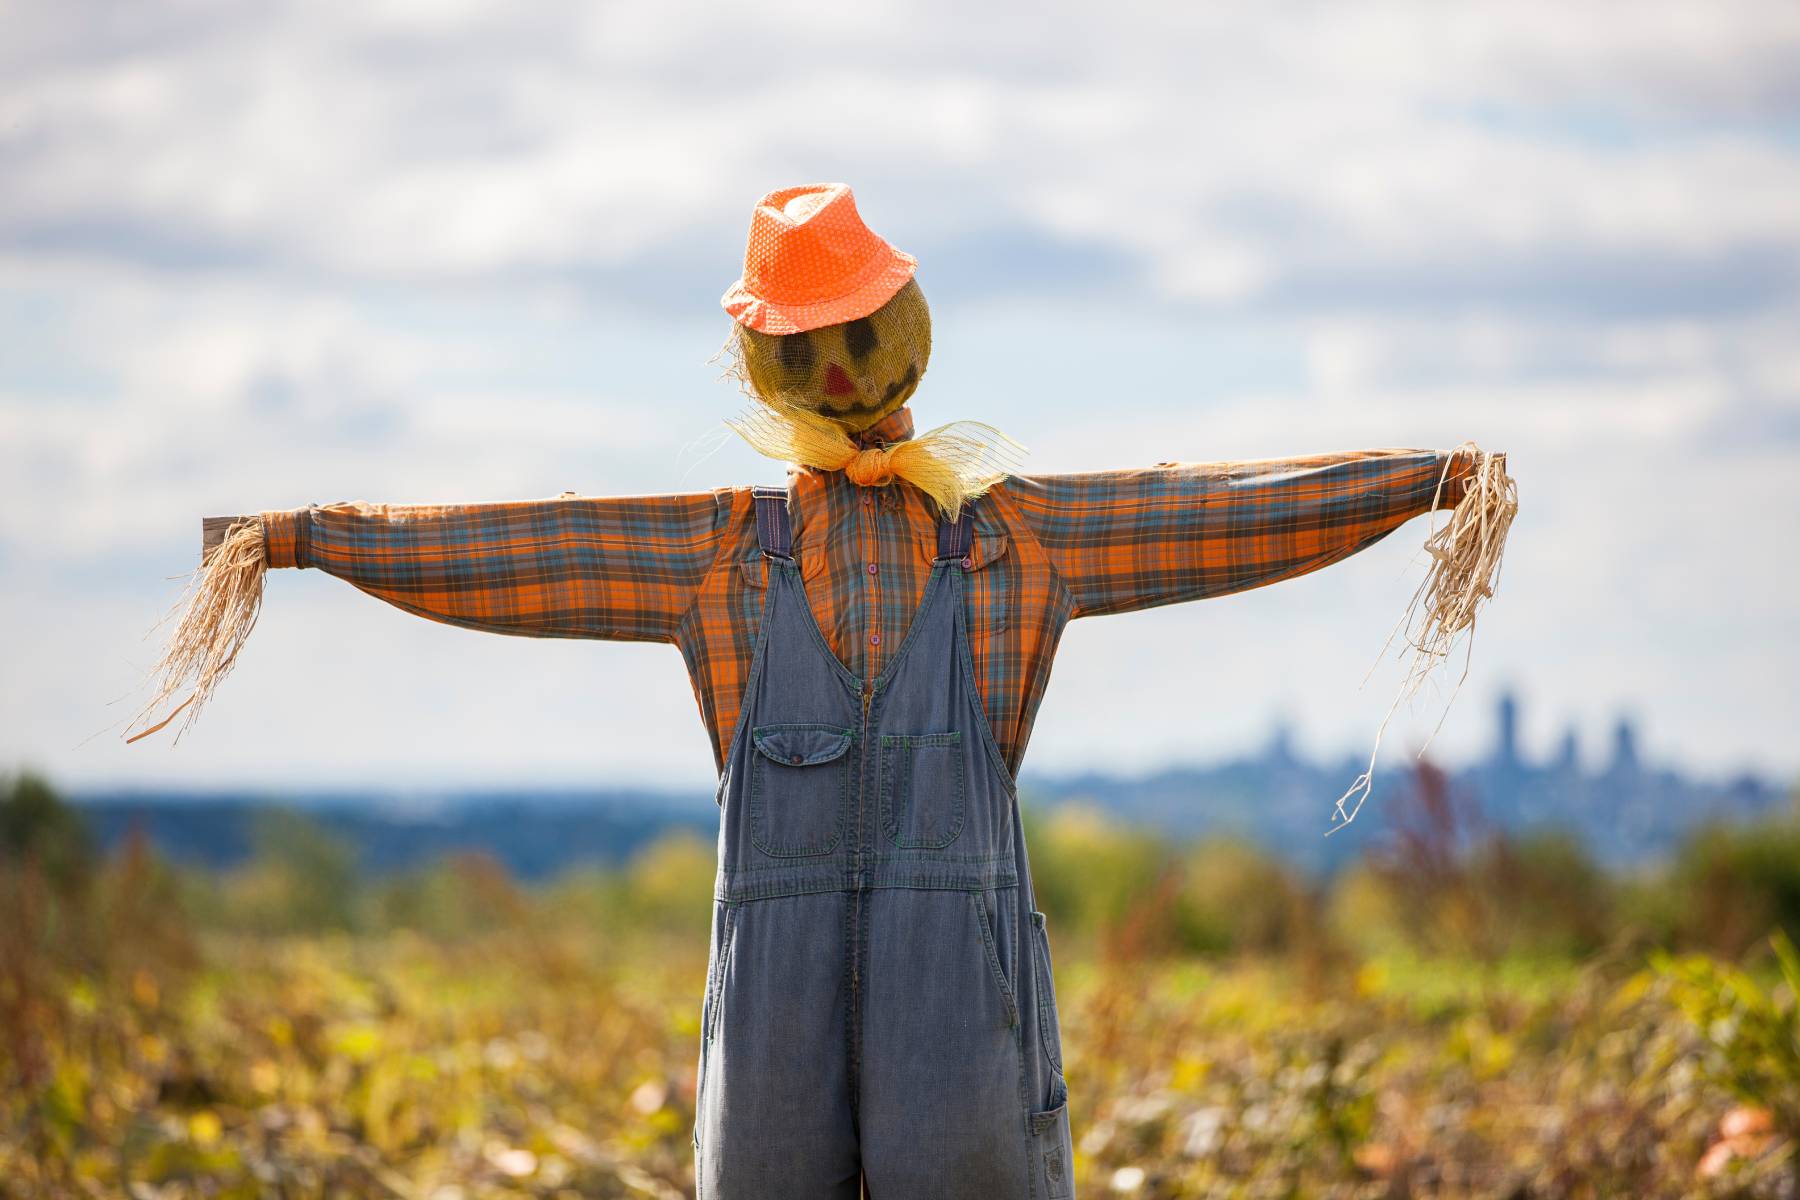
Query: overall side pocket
[984, 928]
[1048, 1030]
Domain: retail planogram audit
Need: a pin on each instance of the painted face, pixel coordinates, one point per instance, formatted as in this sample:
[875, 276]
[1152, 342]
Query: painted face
[855, 373]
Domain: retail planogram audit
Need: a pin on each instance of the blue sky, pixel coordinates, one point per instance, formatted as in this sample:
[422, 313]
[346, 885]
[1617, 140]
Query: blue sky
[253, 257]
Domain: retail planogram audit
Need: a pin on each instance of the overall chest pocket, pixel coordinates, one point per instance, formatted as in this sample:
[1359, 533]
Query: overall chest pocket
[922, 783]
[799, 779]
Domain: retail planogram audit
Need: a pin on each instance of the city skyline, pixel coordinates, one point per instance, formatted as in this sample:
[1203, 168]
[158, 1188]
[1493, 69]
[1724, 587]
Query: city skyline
[1628, 810]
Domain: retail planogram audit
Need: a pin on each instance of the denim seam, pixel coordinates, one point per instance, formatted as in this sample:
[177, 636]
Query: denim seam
[765, 868]
[917, 875]
[775, 892]
[952, 738]
[847, 990]
[946, 883]
[861, 912]
[926, 856]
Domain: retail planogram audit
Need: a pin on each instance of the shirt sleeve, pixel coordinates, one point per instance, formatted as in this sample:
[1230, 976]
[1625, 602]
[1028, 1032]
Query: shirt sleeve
[621, 567]
[1131, 539]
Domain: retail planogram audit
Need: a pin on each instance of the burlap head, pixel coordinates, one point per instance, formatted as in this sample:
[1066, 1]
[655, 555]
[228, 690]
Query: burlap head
[855, 373]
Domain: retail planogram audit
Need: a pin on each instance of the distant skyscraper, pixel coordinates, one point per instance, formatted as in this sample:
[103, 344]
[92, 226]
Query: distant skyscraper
[1568, 752]
[1625, 748]
[1281, 744]
[1506, 745]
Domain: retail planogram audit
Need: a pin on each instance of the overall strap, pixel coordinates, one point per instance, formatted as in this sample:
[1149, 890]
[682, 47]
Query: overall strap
[955, 538]
[775, 532]
[773, 529]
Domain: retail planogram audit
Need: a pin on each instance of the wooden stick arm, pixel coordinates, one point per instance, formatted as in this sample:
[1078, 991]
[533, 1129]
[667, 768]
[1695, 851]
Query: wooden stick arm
[213, 531]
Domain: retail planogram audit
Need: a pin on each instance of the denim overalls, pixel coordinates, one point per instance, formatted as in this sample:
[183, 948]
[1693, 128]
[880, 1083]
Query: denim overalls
[878, 1006]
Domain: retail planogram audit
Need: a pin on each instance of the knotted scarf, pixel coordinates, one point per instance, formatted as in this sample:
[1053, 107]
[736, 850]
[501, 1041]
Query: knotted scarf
[952, 464]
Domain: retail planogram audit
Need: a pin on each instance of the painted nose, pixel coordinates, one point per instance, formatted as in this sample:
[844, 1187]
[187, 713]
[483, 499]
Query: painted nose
[837, 381]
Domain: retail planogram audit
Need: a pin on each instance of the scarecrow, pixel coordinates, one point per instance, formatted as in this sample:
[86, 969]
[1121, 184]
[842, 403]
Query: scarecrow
[868, 647]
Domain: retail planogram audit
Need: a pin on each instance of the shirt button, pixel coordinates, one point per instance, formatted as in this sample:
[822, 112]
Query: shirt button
[798, 759]
[874, 639]
[871, 568]
[967, 563]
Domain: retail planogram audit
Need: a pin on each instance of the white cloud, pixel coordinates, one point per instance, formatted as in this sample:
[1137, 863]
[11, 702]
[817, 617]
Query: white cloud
[253, 257]
[375, 142]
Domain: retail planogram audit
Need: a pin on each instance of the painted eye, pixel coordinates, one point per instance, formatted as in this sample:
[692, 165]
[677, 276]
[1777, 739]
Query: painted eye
[860, 338]
[795, 353]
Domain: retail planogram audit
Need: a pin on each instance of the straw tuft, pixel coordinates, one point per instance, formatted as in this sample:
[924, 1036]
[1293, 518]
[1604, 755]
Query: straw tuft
[1465, 570]
[222, 600]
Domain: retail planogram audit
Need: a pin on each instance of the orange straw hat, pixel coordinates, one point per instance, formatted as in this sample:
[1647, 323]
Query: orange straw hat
[812, 262]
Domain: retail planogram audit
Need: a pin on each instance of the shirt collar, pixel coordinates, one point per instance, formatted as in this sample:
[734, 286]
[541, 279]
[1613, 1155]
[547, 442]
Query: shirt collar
[897, 426]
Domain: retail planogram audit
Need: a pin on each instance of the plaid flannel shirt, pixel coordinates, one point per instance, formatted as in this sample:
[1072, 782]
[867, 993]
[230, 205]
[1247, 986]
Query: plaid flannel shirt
[688, 569]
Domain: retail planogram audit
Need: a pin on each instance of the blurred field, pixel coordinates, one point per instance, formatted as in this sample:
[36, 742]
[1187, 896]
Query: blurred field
[1459, 1017]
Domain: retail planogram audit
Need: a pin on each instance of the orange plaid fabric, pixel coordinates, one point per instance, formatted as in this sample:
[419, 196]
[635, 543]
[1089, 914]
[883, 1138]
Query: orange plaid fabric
[687, 568]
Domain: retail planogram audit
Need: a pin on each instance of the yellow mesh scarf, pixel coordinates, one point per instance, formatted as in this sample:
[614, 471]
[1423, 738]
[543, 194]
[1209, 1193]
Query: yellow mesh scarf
[952, 464]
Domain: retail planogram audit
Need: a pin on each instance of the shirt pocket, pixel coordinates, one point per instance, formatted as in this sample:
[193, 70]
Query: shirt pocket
[799, 778]
[755, 569]
[990, 591]
[990, 583]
